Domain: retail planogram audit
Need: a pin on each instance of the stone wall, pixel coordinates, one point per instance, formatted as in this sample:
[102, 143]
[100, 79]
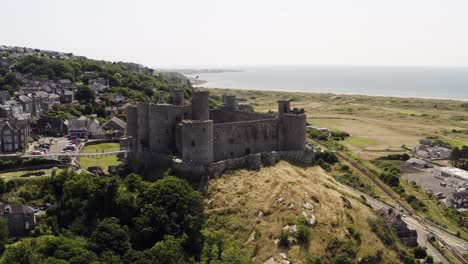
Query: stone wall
[197, 141]
[250, 162]
[225, 116]
[238, 139]
[163, 119]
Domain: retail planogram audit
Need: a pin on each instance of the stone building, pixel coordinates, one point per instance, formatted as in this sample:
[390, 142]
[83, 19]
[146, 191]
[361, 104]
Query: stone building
[20, 218]
[457, 199]
[27, 103]
[115, 124]
[51, 126]
[66, 97]
[407, 236]
[4, 96]
[199, 136]
[432, 152]
[83, 127]
[14, 134]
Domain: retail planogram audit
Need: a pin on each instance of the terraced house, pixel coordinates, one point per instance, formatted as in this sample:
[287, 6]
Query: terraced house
[14, 134]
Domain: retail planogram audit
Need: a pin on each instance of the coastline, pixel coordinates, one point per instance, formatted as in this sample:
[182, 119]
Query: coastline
[330, 93]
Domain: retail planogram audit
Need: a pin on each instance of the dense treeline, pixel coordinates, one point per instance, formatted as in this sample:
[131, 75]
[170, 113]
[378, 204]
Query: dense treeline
[80, 69]
[459, 157]
[114, 220]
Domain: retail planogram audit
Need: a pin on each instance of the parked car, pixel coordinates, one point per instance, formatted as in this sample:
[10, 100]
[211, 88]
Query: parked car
[37, 152]
[69, 147]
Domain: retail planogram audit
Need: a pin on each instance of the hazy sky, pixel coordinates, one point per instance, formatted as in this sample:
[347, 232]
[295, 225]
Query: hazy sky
[244, 32]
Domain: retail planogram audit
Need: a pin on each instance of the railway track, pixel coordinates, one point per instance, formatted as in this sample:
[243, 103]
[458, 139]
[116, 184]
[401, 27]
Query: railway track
[392, 196]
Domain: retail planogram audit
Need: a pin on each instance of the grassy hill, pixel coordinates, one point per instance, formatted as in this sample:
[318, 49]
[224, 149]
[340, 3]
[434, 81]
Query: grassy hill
[253, 207]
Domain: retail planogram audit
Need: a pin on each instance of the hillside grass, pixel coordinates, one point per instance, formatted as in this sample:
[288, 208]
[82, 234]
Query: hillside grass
[235, 200]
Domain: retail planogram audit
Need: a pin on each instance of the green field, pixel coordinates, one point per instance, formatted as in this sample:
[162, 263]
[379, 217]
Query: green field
[103, 161]
[361, 142]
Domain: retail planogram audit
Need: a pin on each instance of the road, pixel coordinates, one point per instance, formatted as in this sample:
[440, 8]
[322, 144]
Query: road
[455, 245]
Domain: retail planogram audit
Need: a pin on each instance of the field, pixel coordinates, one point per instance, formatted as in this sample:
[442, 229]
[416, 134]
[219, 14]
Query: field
[279, 192]
[103, 161]
[377, 125]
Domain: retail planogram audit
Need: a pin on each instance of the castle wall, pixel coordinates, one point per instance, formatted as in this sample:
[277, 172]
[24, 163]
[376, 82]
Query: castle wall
[225, 116]
[197, 141]
[238, 139]
[163, 119]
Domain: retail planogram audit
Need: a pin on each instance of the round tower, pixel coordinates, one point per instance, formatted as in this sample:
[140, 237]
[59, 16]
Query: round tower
[230, 102]
[132, 119]
[200, 105]
[293, 131]
[197, 141]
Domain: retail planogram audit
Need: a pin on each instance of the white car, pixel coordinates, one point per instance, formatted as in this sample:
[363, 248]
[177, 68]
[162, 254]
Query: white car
[37, 152]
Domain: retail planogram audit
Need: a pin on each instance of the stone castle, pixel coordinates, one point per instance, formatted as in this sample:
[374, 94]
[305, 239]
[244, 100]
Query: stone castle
[194, 137]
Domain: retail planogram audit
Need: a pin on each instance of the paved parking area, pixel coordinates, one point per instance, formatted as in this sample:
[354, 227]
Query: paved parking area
[58, 144]
[425, 178]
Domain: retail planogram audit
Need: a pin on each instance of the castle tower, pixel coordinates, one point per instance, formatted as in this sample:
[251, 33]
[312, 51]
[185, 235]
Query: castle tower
[283, 107]
[177, 96]
[292, 134]
[142, 123]
[230, 102]
[197, 141]
[132, 127]
[200, 105]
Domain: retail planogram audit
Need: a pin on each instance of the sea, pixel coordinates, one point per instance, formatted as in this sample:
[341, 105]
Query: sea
[418, 82]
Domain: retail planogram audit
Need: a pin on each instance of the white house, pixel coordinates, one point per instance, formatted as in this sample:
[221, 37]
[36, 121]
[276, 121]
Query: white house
[83, 127]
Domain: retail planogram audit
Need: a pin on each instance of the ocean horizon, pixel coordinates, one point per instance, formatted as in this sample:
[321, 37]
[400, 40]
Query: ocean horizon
[392, 81]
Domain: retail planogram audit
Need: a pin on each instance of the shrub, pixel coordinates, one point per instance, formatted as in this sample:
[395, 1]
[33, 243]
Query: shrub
[303, 235]
[354, 234]
[419, 252]
[284, 238]
[383, 231]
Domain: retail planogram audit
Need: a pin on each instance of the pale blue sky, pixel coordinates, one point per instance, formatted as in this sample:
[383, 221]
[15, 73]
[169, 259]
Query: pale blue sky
[245, 32]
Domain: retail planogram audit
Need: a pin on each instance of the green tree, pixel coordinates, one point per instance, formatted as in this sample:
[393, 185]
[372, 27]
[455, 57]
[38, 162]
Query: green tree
[167, 251]
[110, 235]
[133, 182]
[19, 253]
[170, 206]
[85, 94]
[419, 252]
[3, 234]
